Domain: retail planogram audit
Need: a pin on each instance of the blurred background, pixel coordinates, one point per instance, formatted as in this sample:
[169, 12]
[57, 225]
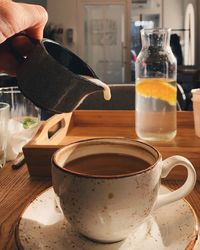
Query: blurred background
[106, 34]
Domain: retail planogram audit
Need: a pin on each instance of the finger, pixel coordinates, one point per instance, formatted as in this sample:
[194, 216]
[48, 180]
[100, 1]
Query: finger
[41, 17]
[32, 18]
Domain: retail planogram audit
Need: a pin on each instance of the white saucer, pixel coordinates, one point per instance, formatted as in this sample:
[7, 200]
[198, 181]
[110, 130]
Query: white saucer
[42, 226]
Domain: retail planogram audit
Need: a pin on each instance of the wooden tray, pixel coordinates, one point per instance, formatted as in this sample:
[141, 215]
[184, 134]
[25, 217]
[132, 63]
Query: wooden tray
[63, 129]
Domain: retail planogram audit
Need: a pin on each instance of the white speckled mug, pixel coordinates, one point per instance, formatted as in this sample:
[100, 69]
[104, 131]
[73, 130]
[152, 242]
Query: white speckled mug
[104, 202]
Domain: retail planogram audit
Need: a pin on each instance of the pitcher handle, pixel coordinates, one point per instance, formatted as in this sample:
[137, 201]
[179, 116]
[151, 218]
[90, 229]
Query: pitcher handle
[13, 50]
[185, 189]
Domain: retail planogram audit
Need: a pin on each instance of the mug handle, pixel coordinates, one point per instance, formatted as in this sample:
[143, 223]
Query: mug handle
[167, 165]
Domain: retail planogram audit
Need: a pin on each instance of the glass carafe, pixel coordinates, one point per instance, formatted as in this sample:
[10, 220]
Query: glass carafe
[156, 73]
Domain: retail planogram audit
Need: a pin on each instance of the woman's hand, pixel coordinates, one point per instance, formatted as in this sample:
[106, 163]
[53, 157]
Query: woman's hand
[15, 18]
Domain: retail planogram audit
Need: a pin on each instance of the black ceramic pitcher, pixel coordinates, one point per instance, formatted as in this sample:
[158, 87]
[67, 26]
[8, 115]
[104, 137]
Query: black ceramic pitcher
[52, 77]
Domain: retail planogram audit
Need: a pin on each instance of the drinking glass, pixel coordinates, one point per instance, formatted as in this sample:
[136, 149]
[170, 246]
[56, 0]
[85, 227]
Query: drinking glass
[4, 117]
[21, 107]
[196, 110]
[24, 120]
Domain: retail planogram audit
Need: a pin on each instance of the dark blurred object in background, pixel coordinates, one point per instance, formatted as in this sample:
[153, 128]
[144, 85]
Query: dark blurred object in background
[54, 32]
[176, 48]
[7, 80]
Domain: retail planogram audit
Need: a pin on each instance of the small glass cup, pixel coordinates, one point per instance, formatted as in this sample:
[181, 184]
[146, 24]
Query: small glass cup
[24, 120]
[20, 106]
[196, 110]
[4, 118]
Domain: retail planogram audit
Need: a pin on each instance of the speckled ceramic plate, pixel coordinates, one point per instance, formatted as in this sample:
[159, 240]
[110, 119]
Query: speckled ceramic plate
[42, 226]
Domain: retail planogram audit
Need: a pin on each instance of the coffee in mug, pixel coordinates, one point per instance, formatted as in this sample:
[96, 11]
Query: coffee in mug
[107, 187]
[106, 164]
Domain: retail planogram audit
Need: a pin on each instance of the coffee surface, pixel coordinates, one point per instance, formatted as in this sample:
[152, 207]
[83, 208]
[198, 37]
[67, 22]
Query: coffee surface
[107, 164]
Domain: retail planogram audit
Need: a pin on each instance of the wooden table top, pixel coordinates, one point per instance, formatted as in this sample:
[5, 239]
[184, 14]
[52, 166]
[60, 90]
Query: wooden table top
[18, 189]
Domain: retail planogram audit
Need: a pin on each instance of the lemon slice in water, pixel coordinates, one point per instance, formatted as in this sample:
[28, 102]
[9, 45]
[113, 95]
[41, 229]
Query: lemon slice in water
[157, 88]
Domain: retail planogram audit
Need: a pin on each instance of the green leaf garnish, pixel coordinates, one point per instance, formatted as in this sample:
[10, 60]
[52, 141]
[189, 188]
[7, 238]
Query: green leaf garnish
[28, 122]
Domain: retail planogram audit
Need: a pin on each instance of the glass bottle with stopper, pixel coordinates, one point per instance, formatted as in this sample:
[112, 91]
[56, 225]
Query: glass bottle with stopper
[156, 72]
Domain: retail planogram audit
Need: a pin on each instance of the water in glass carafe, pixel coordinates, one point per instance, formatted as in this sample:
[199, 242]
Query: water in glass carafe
[156, 73]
